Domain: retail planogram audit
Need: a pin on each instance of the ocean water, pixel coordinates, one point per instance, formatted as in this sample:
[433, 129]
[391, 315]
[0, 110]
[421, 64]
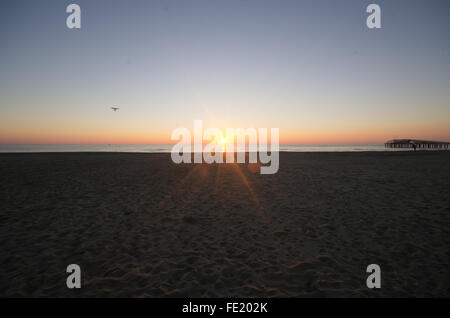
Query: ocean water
[168, 148]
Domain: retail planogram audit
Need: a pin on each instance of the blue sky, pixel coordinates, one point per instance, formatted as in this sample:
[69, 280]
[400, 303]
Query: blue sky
[311, 68]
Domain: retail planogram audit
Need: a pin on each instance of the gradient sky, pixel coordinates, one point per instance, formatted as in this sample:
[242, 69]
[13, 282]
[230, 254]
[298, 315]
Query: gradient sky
[311, 68]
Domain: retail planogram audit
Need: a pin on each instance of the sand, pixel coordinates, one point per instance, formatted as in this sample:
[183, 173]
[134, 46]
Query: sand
[140, 226]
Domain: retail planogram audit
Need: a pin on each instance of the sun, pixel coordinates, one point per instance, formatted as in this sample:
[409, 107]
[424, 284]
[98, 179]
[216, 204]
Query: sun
[223, 140]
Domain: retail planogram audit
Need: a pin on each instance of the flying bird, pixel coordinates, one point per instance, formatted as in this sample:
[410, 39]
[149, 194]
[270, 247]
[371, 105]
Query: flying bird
[115, 108]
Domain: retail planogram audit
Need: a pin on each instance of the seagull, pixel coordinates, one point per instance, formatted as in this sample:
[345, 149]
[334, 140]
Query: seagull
[115, 108]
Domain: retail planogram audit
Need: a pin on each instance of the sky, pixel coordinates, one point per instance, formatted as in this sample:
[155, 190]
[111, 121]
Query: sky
[310, 68]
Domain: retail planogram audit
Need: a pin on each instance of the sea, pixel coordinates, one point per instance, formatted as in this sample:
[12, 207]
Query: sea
[151, 148]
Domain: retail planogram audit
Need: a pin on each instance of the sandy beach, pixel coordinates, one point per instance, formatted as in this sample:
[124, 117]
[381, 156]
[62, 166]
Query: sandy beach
[141, 226]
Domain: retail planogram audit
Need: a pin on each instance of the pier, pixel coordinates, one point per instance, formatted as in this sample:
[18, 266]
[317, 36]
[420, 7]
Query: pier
[415, 143]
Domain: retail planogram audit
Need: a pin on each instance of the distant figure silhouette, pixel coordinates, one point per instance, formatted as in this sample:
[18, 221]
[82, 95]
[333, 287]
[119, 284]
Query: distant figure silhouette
[414, 146]
[115, 108]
